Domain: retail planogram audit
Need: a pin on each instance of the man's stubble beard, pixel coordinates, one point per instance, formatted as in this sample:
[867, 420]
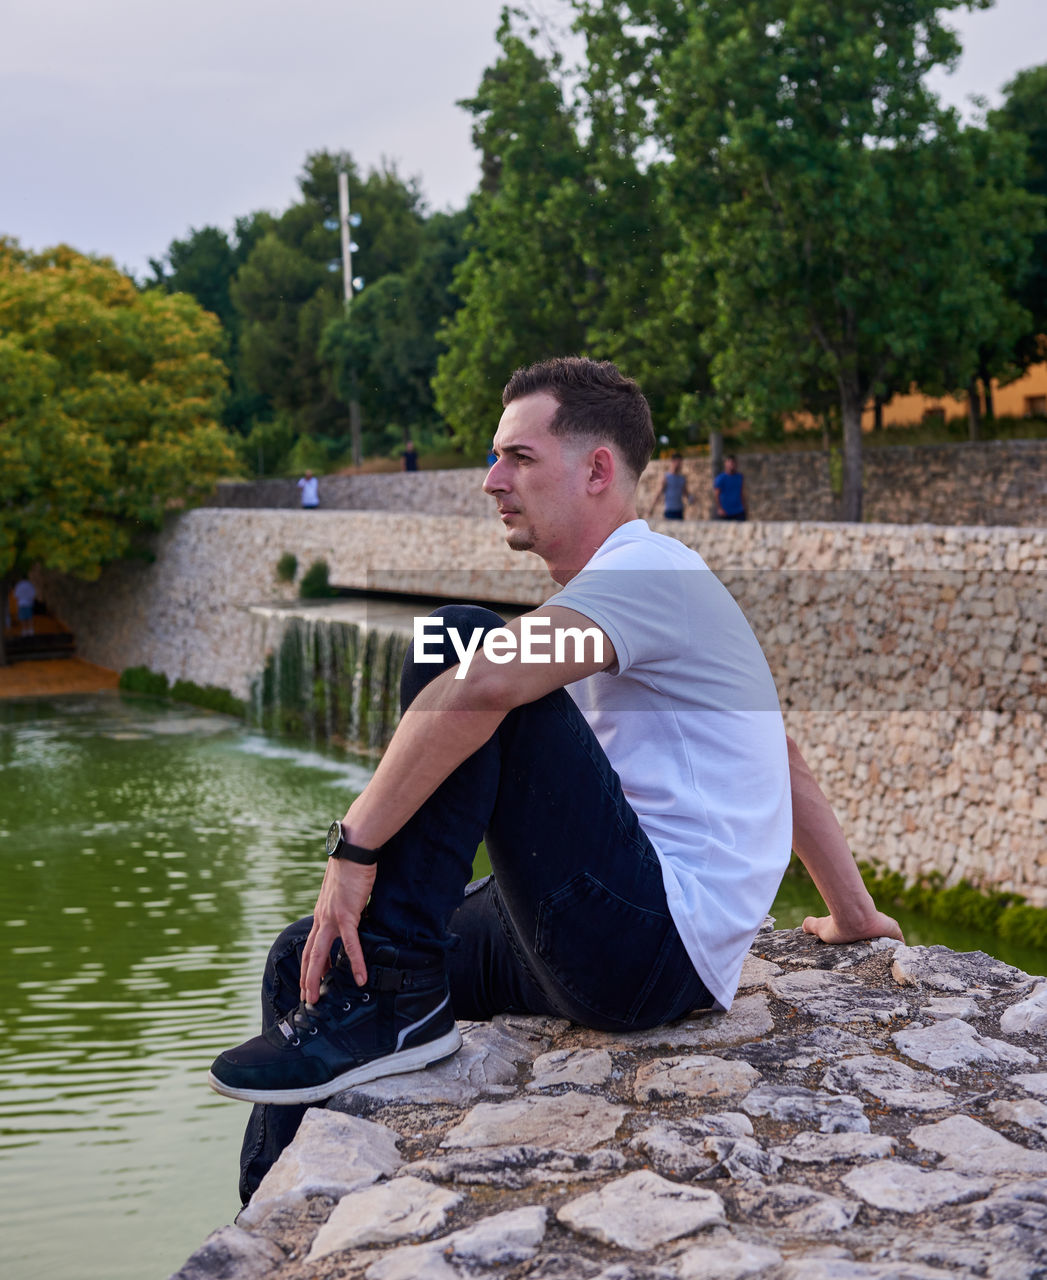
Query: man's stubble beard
[520, 539]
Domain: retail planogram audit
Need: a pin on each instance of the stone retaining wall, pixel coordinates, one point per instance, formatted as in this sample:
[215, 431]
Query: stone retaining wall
[435, 493]
[910, 661]
[995, 483]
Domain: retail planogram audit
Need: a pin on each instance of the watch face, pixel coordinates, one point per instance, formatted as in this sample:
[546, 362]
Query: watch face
[334, 837]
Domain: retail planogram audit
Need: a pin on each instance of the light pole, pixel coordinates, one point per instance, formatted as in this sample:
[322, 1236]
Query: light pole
[346, 220]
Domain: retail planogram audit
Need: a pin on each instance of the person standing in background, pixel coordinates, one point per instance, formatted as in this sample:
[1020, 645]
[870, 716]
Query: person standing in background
[25, 600]
[310, 490]
[674, 490]
[729, 487]
[409, 457]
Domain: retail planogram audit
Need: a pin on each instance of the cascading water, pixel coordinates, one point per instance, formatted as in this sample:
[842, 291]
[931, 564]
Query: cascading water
[331, 680]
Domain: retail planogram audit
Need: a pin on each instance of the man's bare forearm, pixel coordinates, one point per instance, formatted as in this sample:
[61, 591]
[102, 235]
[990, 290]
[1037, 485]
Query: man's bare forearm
[452, 717]
[444, 725]
[820, 844]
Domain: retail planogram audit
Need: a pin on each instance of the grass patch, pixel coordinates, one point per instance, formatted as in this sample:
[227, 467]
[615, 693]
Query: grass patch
[962, 906]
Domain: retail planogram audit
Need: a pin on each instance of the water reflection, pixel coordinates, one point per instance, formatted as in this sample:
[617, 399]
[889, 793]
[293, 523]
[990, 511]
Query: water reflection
[149, 855]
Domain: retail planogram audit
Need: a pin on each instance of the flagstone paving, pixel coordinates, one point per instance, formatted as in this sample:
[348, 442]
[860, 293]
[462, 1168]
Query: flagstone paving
[868, 1112]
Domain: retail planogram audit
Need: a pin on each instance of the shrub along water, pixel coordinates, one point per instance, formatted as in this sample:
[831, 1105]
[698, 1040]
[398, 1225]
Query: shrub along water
[962, 906]
[155, 683]
[315, 583]
[142, 680]
[1005, 914]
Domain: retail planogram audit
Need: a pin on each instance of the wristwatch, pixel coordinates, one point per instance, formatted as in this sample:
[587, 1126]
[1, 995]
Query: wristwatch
[339, 847]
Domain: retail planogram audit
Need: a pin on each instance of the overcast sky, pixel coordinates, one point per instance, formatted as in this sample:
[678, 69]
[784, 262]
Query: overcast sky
[125, 123]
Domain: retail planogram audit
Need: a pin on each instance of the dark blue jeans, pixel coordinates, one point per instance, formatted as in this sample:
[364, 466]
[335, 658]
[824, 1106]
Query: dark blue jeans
[574, 920]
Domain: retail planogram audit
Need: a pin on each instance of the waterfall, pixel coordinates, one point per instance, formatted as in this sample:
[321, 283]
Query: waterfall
[329, 680]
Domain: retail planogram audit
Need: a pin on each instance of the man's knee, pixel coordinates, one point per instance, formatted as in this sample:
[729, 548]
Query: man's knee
[290, 939]
[437, 651]
[464, 620]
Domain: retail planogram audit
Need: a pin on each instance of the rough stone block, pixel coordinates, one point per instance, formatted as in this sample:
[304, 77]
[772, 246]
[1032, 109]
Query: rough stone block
[642, 1211]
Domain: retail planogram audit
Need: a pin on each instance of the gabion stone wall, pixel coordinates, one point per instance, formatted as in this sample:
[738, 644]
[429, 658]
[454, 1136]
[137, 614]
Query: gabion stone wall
[996, 483]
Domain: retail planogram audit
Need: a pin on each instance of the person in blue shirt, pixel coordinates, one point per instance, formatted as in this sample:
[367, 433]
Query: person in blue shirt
[729, 487]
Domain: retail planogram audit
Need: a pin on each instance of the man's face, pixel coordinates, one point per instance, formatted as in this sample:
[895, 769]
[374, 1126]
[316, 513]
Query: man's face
[728, 466]
[538, 480]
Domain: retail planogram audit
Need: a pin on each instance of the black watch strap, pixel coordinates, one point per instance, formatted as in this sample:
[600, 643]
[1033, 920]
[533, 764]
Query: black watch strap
[339, 847]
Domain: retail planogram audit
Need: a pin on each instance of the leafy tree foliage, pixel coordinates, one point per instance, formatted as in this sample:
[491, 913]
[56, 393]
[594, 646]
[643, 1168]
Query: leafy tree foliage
[109, 399]
[520, 283]
[204, 265]
[825, 200]
[286, 294]
[756, 208]
[568, 239]
[273, 286]
[385, 348]
[981, 328]
[1024, 114]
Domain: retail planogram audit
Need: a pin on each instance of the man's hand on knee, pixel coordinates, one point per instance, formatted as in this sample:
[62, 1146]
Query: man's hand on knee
[343, 896]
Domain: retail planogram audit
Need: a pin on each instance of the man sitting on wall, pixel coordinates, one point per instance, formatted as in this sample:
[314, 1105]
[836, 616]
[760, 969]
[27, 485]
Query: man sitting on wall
[620, 750]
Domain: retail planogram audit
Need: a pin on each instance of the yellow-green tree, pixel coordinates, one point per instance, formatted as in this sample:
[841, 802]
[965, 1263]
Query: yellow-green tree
[109, 400]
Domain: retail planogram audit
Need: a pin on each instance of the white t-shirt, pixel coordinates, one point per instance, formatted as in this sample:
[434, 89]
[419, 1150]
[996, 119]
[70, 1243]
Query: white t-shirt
[690, 721]
[310, 488]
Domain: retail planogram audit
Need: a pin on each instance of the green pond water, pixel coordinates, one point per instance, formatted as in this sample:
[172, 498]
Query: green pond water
[150, 853]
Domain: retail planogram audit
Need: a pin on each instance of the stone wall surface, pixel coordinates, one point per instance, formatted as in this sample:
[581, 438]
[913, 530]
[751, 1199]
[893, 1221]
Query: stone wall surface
[911, 662]
[435, 493]
[866, 1112]
[991, 483]
[995, 483]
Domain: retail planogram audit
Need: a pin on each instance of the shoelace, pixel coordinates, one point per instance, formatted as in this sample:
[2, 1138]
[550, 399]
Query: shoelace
[306, 1017]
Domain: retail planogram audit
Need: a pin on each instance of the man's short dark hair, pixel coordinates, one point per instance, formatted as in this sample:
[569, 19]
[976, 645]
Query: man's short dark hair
[596, 400]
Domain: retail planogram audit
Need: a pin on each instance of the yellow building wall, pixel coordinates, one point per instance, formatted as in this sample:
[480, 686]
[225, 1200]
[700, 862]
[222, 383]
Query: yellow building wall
[1026, 397]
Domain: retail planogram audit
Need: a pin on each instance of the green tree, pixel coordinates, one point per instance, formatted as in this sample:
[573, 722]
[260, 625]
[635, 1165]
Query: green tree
[109, 399]
[204, 265]
[832, 202]
[385, 348]
[286, 293]
[1024, 114]
[521, 282]
[994, 227]
[628, 233]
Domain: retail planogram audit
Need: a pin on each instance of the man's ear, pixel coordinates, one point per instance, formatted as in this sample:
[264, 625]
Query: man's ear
[603, 467]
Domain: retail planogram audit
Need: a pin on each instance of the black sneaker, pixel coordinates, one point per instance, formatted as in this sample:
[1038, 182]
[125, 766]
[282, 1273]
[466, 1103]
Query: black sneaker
[400, 1021]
